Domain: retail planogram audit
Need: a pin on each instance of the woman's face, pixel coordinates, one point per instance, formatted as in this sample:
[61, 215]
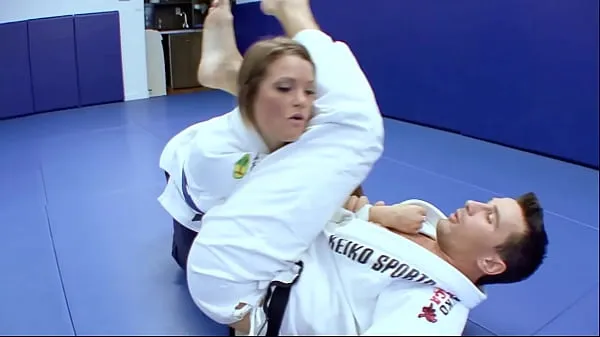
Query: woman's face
[283, 104]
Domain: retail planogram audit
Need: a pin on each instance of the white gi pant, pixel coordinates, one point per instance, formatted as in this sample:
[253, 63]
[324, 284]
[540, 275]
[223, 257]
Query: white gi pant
[220, 305]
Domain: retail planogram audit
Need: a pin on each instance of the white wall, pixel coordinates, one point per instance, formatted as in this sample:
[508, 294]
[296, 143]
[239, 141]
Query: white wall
[133, 43]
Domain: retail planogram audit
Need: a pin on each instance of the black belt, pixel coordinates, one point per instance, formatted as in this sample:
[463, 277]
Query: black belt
[188, 198]
[276, 301]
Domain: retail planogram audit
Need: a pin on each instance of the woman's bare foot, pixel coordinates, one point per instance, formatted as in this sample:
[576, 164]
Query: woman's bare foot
[221, 60]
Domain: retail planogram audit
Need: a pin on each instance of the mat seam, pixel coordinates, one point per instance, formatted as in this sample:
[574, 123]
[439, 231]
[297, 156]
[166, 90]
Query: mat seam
[60, 275]
[483, 327]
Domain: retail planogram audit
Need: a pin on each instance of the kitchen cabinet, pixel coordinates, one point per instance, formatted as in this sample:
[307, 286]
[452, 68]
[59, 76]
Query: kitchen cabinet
[184, 53]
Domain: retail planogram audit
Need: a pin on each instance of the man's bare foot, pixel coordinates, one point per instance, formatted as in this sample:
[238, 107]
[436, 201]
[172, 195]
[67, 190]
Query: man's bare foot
[293, 15]
[277, 7]
[270, 7]
[221, 59]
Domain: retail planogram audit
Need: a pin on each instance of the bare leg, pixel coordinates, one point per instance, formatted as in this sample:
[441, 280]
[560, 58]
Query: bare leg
[221, 60]
[242, 327]
[293, 15]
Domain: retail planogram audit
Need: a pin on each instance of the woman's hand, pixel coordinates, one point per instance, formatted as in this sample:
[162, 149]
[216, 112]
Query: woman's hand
[407, 219]
[354, 203]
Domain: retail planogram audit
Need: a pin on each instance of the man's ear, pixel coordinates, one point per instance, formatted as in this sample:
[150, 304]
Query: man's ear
[491, 265]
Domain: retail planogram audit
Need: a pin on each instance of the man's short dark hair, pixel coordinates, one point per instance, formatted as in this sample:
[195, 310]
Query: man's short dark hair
[358, 191]
[523, 252]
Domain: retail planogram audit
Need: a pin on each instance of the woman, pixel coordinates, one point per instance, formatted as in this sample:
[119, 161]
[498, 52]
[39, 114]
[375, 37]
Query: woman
[276, 94]
[260, 227]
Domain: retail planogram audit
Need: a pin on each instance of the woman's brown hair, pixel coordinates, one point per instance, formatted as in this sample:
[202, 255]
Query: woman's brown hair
[253, 70]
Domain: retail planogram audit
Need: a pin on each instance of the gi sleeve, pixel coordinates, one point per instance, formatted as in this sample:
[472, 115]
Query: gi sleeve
[422, 311]
[293, 192]
[344, 94]
[364, 212]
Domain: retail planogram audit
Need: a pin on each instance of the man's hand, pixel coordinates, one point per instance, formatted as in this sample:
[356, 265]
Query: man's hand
[407, 219]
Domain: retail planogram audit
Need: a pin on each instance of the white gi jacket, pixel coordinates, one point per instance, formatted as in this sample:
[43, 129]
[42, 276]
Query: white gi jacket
[361, 279]
[217, 145]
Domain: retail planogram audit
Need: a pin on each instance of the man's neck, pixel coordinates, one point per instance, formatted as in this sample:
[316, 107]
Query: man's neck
[430, 244]
[467, 269]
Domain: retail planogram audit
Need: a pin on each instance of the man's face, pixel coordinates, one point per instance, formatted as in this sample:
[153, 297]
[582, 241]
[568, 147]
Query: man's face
[472, 233]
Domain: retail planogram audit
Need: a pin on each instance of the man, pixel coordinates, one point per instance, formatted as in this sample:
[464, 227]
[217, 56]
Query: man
[395, 278]
[359, 278]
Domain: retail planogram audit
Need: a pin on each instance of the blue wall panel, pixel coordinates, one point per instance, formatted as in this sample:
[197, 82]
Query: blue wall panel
[15, 74]
[53, 63]
[251, 25]
[100, 69]
[523, 73]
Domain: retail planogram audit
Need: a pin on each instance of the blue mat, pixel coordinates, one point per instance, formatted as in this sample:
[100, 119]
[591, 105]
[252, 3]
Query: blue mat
[86, 246]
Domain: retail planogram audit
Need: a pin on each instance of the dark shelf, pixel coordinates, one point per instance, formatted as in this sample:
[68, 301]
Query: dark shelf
[169, 2]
